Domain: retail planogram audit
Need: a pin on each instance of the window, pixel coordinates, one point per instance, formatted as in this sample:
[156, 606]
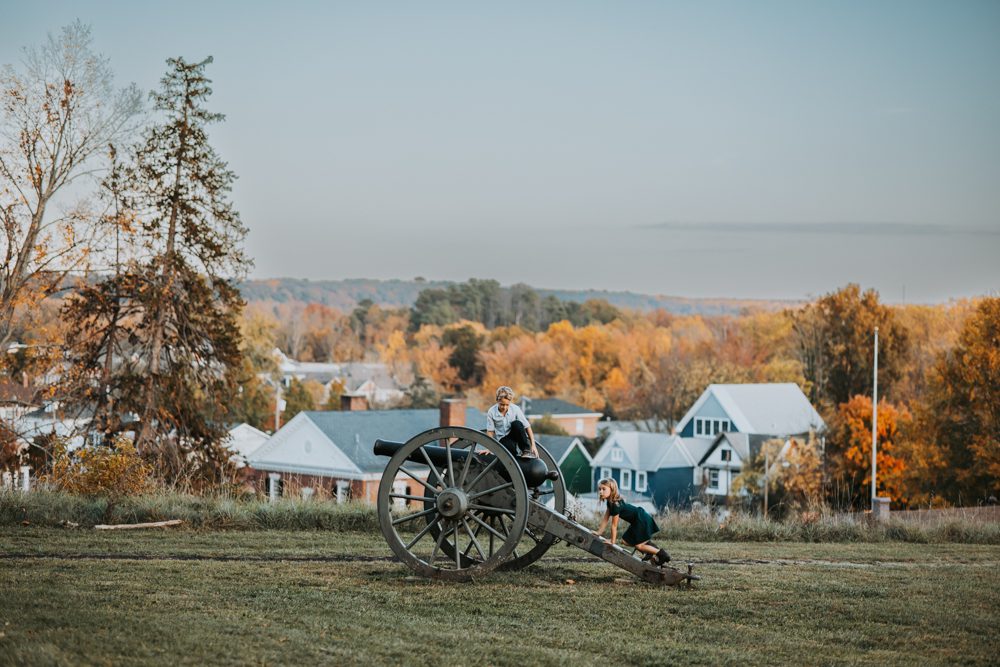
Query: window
[713, 479]
[726, 454]
[617, 454]
[626, 480]
[579, 426]
[640, 480]
[605, 473]
[706, 426]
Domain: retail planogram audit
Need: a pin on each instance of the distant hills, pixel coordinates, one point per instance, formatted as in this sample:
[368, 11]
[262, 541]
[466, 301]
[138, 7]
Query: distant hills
[346, 294]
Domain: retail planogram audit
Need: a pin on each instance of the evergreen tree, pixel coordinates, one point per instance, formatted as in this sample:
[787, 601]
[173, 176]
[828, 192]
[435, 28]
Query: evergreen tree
[176, 362]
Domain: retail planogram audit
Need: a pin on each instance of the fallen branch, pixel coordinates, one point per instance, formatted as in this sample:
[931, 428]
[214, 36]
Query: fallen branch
[130, 526]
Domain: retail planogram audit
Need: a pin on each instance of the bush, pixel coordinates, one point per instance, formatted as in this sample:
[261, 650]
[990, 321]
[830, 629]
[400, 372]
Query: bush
[99, 470]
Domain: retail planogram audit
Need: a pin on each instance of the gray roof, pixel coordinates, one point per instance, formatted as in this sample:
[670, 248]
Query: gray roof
[355, 433]
[557, 445]
[746, 445]
[642, 451]
[552, 406]
[778, 408]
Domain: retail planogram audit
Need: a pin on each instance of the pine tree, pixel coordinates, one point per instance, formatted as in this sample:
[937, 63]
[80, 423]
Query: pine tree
[175, 362]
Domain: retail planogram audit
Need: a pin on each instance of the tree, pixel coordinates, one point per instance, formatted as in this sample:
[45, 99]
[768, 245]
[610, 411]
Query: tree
[546, 425]
[834, 342]
[298, 399]
[961, 417]
[464, 357]
[849, 450]
[58, 114]
[179, 362]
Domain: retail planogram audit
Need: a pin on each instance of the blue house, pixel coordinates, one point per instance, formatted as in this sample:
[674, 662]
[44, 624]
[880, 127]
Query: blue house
[774, 409]
[652, 468]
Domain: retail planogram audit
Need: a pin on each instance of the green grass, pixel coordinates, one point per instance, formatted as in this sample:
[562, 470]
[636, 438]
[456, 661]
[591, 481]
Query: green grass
[306, 597]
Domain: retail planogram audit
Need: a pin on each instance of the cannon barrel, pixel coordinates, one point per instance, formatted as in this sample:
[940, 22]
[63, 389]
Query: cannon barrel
[534, 470]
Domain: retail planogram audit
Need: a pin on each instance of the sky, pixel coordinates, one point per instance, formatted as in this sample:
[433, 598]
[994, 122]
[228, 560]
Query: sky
[699, 149]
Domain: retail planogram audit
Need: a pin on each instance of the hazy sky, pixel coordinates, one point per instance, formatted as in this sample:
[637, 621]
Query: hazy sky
[764, 149]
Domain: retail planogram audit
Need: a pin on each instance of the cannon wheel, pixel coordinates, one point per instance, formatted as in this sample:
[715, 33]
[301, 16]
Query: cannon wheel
[555, 489]
[454, 503]
[539, 542]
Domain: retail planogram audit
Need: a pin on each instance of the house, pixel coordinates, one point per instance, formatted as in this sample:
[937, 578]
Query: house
[657, 468]
[375, 381]
[243, 441]
[776, 409]
[331, 452]
[725, 458]
[573, 419]
[574, 462]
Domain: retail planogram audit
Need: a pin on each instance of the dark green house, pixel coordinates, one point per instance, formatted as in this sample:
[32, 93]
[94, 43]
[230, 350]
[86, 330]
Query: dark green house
[573, 459]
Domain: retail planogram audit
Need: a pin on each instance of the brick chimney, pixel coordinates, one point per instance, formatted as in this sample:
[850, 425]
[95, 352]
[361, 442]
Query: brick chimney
[453, 411]
[353, 402]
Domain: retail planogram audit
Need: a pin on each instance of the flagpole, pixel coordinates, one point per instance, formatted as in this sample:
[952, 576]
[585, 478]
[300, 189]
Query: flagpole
[874, 421]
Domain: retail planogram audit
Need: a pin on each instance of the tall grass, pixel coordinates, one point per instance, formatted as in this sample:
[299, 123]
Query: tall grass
[822, 527]
[53, 508]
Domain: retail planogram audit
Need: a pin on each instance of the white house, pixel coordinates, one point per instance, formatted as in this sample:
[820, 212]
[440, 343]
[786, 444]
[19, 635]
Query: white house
[244, 440]
[775, 409]
[332, 451]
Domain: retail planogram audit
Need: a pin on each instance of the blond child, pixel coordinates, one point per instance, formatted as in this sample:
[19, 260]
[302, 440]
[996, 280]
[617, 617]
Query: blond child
[641, 528]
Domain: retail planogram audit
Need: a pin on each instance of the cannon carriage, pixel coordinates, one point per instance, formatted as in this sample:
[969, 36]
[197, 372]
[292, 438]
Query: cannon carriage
[471, 507]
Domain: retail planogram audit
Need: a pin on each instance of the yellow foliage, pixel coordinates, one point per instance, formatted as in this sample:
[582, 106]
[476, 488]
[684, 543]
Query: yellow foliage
[97, 470]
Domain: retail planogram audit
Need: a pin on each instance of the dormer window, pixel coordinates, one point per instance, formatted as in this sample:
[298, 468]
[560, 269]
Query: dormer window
[704, 426]
[617, 455]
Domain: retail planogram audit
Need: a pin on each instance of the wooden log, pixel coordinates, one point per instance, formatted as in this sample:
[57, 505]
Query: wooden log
[132, 526]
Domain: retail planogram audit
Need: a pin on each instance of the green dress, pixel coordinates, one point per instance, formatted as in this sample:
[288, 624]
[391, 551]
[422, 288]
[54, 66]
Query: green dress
[641, 526]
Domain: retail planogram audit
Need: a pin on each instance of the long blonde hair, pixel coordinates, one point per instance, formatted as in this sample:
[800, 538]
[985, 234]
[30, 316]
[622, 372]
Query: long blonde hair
[615, 496]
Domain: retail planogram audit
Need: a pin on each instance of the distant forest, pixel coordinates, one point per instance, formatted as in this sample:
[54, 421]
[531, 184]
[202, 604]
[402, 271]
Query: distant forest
[347, 294]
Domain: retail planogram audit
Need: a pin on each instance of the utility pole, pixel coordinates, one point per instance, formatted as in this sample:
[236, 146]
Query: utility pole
[767, 467]
[875, 422]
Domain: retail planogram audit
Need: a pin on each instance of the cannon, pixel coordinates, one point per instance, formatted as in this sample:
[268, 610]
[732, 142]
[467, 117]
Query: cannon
[468, 506]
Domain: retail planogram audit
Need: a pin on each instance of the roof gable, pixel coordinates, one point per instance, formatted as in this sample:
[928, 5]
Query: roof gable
[559, 446]
[301, 445]
[641, 451]
[768, 408]
[355, 433]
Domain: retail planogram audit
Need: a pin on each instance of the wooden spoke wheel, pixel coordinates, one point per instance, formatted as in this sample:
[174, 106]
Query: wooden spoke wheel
[536, 541]
[470, 510]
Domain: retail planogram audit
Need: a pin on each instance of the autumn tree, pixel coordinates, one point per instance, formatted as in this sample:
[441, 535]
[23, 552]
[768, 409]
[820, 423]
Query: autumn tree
[961, 416]
[178, 297]
[835, 345]
[60, 111]
[849, 451]
[298, 399]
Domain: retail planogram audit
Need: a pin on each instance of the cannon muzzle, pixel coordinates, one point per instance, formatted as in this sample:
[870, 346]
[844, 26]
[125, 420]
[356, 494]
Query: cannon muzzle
[534, 470]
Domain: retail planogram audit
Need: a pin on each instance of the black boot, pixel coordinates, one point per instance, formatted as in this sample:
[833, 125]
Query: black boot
[662, 557]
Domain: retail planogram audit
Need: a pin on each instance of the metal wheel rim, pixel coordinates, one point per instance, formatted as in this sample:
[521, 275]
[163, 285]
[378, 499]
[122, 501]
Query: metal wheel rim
[414, 552]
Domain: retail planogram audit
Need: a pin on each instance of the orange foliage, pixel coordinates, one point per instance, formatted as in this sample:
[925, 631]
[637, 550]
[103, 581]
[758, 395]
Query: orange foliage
[855, 421]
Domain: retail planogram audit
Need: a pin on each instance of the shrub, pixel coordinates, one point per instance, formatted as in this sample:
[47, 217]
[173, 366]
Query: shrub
[99, 470]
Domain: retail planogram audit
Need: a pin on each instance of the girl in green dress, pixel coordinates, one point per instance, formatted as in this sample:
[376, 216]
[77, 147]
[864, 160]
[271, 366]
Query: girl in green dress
[641, 528]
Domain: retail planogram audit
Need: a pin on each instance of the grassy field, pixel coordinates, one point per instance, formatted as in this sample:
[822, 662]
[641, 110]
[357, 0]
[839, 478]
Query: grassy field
[305, 597]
